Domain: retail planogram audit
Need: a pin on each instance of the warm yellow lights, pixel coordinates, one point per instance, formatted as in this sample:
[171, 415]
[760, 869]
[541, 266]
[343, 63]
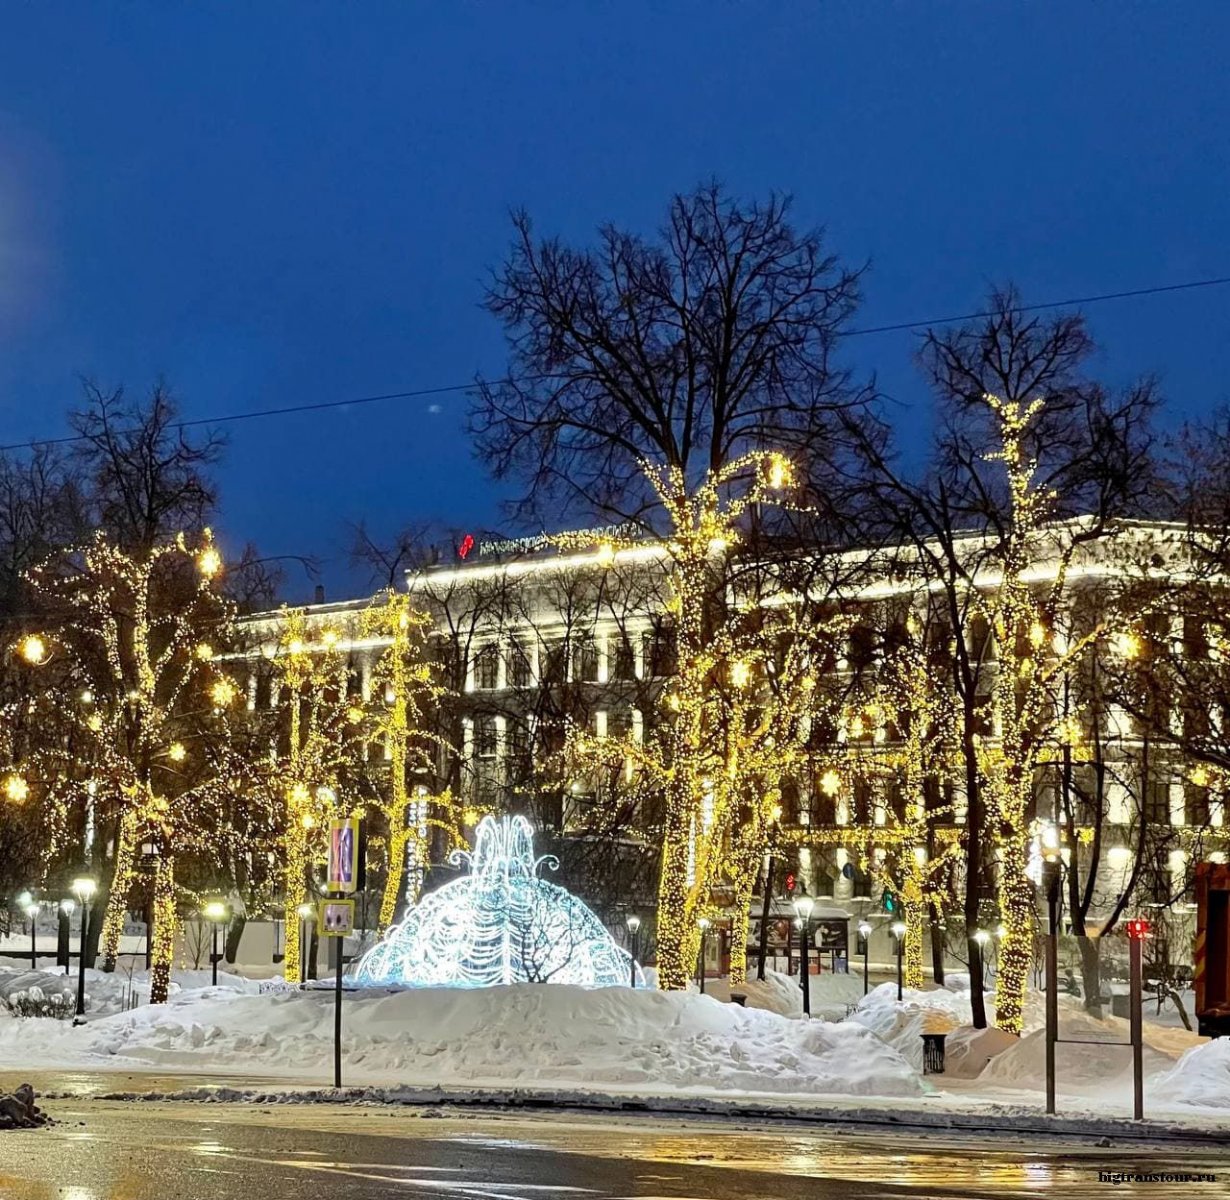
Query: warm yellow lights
[16, 789]
[94, 722]
[1199, 775]
[204, 651]
[330, 638]
[308, 821]
[605, 555]
[470, 816]
[300, 794]
[775, 813]
[779, 473]
[830, 782]
[354, 714]
[295, 646]
[740, 674]
[176, 752]
[1037, 635]
[209, 561]
[33, 649]
[223, 692]
[1126, 644]
[216, 911]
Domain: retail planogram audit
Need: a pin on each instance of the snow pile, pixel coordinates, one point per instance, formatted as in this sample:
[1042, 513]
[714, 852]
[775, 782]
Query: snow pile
[608, 1038]
[1100, 1059]
[968, 1050]
[831, 994]
[901, 1023]
[105, 992]
[1200, 1078]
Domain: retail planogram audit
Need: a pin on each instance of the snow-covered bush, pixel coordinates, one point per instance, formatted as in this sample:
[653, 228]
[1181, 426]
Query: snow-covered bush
[34, 1002]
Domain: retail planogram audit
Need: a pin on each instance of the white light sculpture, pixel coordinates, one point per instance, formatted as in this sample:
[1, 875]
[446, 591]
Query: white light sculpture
[499, 924]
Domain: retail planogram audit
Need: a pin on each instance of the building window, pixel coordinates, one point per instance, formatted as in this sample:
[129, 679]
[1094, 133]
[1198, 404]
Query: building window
[585, 659]
[487, 668]
[1157, 800]
[660, 655]
[555, 661]
[486, 739]
[518, 665]
[623, 663]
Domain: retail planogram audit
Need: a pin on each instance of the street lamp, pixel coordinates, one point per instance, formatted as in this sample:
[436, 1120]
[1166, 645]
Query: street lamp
[31, 907]
[216, 913]
[64, 932]
[898, 928]
[305, 913]
[981, 939]
[84, 889]
[864, 932]
[704, 924]
[803, 906]
[634, 925]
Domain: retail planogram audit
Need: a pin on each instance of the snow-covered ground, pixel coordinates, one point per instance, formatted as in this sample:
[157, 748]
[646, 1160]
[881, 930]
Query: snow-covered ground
[615, 1040]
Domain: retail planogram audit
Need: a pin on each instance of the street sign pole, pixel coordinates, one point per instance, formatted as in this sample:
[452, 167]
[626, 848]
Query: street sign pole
[340, 943]
[1135, 955]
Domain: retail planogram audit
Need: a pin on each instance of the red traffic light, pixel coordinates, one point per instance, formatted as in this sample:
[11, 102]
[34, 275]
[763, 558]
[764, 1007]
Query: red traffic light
[1137, 928]
[790, 882]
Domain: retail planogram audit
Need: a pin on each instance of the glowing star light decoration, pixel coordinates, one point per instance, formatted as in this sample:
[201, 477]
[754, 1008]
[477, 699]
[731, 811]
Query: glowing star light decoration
[499, 924]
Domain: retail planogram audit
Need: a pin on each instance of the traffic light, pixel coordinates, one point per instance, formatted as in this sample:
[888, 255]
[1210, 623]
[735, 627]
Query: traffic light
[1137, 928]
[790, 882]
[888, 901]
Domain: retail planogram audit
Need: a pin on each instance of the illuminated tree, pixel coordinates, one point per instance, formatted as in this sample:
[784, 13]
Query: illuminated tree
[317, 751]
[137, 681]
[405, 691]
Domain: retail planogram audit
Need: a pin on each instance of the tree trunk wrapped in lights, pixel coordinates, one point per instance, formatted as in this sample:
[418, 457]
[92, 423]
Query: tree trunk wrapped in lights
[404, 687]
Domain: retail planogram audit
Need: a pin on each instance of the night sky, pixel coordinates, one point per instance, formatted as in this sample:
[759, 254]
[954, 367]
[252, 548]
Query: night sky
[274, 204]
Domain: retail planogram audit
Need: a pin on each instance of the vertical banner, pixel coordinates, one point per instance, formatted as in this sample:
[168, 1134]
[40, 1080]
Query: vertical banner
[344, 856]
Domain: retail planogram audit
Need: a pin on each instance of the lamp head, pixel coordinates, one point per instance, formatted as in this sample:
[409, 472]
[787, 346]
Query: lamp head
[898, 928]
[864, 929]
[981, 936]
[634, 922]
[84, 889]
[31, 909]
[216, 911]
[305, 911]
[803, 906]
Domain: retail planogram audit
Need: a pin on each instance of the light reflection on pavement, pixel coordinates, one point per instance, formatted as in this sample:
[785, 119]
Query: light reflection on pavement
[164, 1151]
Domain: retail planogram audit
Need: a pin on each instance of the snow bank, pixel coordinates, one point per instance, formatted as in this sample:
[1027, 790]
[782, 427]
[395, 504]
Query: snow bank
[831, 994]
[527, 1034]
[1201, 1078]
[968, 1050]
[112, 992]
[901, 1023]
[1099, 1060]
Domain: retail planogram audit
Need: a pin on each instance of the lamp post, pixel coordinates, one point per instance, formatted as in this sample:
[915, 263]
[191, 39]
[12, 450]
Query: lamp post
[216, 913]
[305, 913]
[84, 889]
[32, 913]
[899, 934]
[864, 932]
[64, 932]
[634, 925]
[981, 939]
[803, 906]
[704, 924]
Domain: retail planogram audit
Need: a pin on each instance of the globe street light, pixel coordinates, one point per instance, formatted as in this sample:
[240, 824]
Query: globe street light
[864, 932]
[216, 913]
[803, 906]
[898, 928]
[84, 889]
[634, 925]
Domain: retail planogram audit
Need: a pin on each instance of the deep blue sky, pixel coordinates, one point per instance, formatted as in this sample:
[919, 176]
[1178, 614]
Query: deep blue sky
[283, 203]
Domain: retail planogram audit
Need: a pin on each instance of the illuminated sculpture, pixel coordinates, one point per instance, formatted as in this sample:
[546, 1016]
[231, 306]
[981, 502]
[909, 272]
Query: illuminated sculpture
[498, 924]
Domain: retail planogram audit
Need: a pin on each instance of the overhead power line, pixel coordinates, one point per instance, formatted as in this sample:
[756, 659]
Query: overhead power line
[420, 393]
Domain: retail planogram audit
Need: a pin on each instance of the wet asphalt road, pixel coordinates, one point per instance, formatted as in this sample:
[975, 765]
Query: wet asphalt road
[104, 1150]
